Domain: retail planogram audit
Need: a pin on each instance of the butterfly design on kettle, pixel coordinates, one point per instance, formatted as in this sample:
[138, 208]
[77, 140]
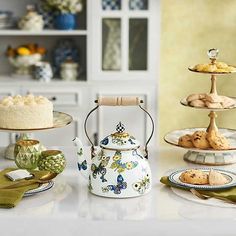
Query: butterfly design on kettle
[100, 169]
[116, 189]
[83, 165]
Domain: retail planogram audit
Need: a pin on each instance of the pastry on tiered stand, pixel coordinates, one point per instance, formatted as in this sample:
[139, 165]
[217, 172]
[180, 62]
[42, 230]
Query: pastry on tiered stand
[209, 100]
[209, 146]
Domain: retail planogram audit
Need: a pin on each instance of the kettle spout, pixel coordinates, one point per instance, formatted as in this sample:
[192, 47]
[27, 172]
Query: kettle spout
[82, 162]
[79, 146]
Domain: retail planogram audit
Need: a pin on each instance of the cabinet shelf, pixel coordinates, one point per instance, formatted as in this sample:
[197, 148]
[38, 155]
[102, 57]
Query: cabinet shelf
[17, 32]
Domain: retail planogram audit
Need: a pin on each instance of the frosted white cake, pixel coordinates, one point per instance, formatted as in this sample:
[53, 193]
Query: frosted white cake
[26, 112]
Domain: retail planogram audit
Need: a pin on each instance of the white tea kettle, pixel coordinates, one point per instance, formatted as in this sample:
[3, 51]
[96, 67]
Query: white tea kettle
[119, 168]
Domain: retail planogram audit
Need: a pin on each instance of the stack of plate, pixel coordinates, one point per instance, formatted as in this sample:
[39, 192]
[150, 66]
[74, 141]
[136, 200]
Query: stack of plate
[6, 19]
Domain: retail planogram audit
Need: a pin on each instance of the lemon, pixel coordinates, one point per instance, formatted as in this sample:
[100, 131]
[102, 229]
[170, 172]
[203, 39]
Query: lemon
[23, 51]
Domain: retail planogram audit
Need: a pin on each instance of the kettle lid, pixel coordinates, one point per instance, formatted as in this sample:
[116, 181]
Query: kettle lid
[120, 140]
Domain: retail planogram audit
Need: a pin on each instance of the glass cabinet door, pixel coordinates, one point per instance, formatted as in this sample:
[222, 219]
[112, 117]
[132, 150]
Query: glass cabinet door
[138, 40]
[111, 44]
[123, 31]
[138, 4]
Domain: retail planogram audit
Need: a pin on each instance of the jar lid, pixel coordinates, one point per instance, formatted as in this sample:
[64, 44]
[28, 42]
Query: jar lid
[120, 140]
[69, 64]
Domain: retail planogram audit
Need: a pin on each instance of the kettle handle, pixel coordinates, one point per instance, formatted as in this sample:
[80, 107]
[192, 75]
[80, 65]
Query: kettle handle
[119, 101]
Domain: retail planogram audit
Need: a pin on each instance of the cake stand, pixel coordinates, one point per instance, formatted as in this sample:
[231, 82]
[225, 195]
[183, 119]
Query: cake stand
[60, 119]
[208, 156]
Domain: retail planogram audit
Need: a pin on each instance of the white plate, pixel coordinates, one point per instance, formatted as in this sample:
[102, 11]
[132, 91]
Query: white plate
[60, 119]
[40, 189]
[231, 177]
[185, 103]
[173, 138]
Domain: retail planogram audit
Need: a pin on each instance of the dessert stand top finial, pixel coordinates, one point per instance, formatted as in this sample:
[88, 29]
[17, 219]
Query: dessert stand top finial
[213, 54]
[214, 67]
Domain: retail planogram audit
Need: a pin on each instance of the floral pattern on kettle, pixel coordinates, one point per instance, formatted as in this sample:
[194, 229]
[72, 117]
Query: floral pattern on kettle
[100, 169]
[116, 189]
[119, 166]
[142, 185]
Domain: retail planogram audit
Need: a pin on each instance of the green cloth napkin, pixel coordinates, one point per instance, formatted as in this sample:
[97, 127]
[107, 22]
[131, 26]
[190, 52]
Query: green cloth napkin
[9, 198]
[229, 194]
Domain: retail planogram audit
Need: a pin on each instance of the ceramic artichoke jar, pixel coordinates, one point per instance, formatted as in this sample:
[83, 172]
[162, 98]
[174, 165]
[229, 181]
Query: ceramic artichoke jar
[27, 153]
[52, 160]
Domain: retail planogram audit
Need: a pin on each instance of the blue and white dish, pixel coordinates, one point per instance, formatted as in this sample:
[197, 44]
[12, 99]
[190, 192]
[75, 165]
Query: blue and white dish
[48, 16]
[40, 189]
[231, 177]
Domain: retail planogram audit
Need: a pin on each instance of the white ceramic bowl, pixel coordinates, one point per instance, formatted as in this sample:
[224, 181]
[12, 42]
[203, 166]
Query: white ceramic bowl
[23, 63]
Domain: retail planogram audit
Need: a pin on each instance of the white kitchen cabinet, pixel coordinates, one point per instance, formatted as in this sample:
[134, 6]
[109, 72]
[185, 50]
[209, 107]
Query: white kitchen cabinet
[136, 75]
[132, 52]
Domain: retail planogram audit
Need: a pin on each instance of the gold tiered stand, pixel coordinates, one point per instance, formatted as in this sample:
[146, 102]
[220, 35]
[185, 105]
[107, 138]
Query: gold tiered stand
[208, 156]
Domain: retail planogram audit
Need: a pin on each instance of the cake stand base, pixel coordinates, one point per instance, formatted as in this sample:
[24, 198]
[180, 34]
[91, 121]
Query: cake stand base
[9, 152]
[210, 159]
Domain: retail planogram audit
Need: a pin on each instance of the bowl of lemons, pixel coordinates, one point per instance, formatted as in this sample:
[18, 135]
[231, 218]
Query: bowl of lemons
[24, 57]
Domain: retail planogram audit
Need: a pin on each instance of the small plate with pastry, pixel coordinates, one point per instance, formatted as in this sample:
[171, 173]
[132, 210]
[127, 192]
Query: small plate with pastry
[203, 178]
[209, 101]
[217, 68]
[198, 139]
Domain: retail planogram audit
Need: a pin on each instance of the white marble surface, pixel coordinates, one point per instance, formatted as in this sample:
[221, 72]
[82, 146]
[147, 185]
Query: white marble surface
[68, 209]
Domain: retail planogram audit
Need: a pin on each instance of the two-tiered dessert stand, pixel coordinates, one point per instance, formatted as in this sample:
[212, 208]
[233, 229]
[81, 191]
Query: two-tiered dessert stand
[208, 156]
[60, 120]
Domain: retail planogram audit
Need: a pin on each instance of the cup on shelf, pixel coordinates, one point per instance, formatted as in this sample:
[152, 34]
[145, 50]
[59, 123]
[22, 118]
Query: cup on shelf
[43, 71]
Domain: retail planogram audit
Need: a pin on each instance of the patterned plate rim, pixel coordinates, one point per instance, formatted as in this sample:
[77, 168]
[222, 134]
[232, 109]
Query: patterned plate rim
[211, 73]
[184, 103]
[197, 149]
[203, 187]
[70, 119]
[40, 189]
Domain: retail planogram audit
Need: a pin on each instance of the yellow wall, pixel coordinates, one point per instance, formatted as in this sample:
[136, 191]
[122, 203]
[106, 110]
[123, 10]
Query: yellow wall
[188, 29]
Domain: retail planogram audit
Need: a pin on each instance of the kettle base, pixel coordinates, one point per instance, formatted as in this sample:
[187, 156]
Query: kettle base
[120, 196]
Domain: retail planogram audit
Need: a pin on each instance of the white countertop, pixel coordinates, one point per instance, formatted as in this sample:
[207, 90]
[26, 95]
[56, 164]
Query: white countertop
[68, 208]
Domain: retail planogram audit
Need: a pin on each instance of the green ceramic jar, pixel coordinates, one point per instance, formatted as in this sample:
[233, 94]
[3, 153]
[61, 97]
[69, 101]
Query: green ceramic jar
[27, 153]
[52, 160]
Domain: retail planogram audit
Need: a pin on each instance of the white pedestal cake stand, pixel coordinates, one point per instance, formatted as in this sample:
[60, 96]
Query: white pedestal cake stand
[60, 120]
